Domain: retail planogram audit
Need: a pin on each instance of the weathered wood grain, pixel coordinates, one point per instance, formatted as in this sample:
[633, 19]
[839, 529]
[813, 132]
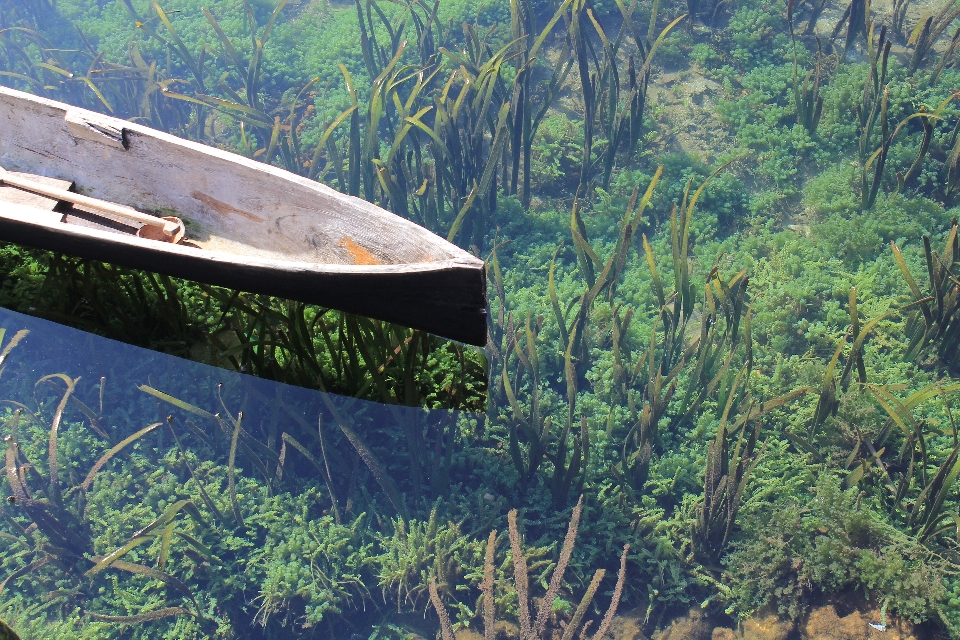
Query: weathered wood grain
[28, 182]
[93, 126]
[19, 196]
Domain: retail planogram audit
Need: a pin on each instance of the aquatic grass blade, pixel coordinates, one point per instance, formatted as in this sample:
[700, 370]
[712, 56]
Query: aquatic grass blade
[52, 448]
[154, 574]
[231, 473]
[106, 561]
[180, 404]
[157, 614]
[91, 475]
[10, 346]
[369, 459]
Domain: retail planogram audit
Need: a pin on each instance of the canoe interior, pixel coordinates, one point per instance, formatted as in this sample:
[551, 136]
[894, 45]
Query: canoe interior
[72, 213]
[229, 203]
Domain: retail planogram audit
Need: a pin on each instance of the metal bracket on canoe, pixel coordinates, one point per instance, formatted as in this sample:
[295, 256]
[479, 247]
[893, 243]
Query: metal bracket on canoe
[92, 126]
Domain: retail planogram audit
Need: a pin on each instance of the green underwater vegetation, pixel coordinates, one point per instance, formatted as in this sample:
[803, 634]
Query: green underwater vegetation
[724, 326]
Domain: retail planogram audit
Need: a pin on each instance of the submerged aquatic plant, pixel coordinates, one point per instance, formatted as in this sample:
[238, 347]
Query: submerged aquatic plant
[830, 542]
[49, 516]
[65, 516]
[723, 487]
[928, 30]
[806, 96]
[938, 334]
[873, 112]
[535, 625]
[419, 555]
[828, 399]
[856, 19]
[613, 108]
[926, 518]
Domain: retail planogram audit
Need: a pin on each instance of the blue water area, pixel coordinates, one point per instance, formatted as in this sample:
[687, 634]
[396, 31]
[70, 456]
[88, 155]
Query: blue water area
[125, 370]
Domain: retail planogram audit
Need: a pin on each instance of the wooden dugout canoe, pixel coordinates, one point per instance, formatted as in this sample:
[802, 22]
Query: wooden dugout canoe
[248, 225]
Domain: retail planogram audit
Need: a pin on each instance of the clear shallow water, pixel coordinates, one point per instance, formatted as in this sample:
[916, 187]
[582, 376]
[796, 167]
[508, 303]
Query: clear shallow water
[234, 463]
[614, 381]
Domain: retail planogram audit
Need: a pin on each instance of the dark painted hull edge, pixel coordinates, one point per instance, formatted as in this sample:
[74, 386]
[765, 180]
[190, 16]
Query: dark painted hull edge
[444, 301]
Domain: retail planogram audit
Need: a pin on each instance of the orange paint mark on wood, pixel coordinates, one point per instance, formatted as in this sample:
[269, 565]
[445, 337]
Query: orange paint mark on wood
[359, 254]
[223, 208]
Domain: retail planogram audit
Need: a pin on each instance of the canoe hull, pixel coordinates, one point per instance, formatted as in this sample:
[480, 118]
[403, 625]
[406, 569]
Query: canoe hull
[441, 298]
[250, 226]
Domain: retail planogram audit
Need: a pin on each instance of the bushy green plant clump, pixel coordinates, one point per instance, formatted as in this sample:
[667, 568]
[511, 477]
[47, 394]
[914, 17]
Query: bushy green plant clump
[857, 237]
[556, 152]
[420, 551]
[757, 32]
[703, 55]
[315, 565]
[249, 555]
[830, 543]
[764, 118]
